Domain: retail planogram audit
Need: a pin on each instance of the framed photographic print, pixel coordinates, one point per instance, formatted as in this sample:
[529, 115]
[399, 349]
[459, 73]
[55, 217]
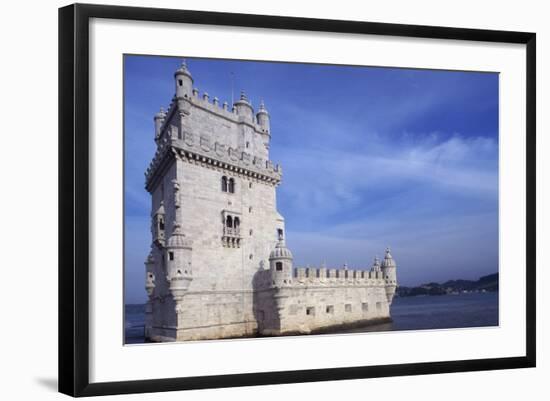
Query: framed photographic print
[250, 199]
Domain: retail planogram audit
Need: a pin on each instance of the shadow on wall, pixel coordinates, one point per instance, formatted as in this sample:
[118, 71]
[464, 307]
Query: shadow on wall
[263, 303]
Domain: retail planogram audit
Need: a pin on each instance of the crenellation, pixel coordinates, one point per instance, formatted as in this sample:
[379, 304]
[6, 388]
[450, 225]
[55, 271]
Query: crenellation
[219, 265]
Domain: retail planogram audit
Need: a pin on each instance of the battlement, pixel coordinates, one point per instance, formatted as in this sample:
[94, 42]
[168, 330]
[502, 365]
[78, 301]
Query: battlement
[216, 155]
[201, 129]
[340, 276]
[215, 107]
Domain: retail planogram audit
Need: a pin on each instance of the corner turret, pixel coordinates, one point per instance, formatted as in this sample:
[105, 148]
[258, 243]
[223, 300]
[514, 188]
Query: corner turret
[244, 108]
[184, 81]
[280, 264]
[390, 275]
[178, 263]
[158, 225]
[149, 274]
[150, 288]
[376, 265]
[159, 119]
[262, 116]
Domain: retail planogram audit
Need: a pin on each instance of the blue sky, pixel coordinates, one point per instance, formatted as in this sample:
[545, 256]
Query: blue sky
[371, 157]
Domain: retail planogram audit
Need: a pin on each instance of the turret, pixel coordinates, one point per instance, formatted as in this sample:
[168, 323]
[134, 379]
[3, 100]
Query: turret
[376, 265]
[149, 274]
[280, 264]
[158, 225]
[262, 117]
[390, 275]
[178, 263]
[244, 108]
[184, 81]
[150, 288]
[159, 119]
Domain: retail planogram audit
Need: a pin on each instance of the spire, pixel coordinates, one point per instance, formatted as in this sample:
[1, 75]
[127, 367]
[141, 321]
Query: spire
[262, 109]
[243, 107]
[388, 259]
[376, 265]
[160, 210]
[183, 68]
[183, 81]
[161, 114]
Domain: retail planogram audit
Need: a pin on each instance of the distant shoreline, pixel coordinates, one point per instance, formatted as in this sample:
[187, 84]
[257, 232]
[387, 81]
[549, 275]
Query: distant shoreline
[487, 283]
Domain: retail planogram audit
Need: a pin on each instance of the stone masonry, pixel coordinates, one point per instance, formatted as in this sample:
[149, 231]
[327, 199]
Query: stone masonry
[218, 265]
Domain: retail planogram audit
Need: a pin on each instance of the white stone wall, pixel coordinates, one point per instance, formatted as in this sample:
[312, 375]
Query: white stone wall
[307, 304]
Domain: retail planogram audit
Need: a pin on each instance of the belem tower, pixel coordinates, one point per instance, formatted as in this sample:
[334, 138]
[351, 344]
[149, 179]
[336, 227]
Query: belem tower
[219, 266]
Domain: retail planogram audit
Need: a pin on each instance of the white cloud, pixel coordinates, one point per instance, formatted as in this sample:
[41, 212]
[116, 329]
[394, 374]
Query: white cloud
[331, 179]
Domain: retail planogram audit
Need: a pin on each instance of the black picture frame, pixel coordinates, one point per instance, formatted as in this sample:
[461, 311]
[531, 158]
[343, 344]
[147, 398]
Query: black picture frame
[74, 198]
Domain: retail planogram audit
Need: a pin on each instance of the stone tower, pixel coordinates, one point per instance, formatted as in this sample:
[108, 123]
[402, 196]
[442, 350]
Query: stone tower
[214, 219]
[215, 228]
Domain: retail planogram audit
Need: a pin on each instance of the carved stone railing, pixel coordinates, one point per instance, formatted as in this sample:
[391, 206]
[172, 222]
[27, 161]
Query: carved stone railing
[231, 237]
[232, 232]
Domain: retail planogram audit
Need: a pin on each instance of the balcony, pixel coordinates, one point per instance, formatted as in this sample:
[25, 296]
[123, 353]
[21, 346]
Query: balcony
[231, 237]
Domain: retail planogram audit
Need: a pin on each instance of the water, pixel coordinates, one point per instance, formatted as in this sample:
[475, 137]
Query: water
[135, 324]
[440, 312]
[408, 313]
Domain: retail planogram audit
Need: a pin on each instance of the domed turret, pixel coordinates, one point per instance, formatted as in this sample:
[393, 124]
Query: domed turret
[390, 275]
[263, 117]
[149, 274]
[184, 81]
[280, 252]
[388, 260]
[244, 108]
[159, 119]
[280, 264]
[178, 262]
[376, 264]
[158, 225]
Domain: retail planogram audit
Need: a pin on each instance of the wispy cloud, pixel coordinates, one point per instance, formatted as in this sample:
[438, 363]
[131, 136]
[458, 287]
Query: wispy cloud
[328, 179]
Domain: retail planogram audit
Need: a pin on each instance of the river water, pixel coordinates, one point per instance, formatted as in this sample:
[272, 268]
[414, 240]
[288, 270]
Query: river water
[408, 313]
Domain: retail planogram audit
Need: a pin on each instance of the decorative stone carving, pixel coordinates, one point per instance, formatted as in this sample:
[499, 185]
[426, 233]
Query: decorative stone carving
[189, 139]
[174, 132]
[205, 143]
[177, 197]
[221, 149]
[233, 155]
[246, 157]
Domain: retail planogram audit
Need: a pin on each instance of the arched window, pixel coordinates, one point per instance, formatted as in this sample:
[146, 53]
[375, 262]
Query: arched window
[224, 184]
[279, 266]
[231, 185]
[236, 223]
[229, 222]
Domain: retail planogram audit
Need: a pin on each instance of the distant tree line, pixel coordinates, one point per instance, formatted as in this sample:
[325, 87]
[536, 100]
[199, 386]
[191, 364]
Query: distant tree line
[487, 283]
